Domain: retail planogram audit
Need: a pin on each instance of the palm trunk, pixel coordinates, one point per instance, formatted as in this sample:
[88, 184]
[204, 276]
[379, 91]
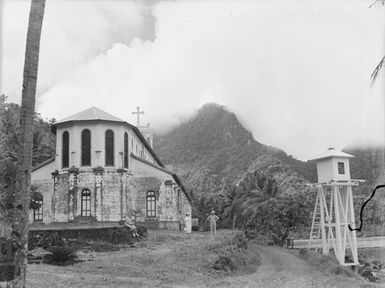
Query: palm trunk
[17, 216]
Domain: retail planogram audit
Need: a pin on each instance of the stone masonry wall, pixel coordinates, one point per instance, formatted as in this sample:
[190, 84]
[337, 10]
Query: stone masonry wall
[114, 193]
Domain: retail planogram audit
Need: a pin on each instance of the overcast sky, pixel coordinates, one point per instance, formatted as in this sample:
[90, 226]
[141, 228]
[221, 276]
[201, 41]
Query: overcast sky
[296, 72]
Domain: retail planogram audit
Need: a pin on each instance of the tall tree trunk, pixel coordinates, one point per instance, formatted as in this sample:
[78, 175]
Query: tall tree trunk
[17, 217]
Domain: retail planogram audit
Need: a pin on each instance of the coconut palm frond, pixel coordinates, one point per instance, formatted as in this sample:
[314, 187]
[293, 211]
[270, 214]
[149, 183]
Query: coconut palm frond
[377, 71]
[377, 1]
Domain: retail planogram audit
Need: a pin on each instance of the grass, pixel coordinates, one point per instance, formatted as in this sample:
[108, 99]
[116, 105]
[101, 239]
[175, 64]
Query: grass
[327, 263]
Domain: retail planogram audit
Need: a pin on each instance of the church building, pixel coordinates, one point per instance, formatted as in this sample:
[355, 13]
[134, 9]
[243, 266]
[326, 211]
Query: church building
[104, 169]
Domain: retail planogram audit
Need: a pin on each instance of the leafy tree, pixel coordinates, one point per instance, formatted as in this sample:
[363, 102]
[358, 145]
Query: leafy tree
[43, 139]
[276, 217]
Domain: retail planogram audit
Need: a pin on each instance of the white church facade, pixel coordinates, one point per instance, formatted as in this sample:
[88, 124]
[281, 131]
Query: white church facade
[104, 169]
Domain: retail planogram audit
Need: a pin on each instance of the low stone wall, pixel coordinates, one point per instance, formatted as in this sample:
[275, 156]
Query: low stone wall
[116, 235]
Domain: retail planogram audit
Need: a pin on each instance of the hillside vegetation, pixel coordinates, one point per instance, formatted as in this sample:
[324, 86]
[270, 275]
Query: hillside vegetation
[213, 149]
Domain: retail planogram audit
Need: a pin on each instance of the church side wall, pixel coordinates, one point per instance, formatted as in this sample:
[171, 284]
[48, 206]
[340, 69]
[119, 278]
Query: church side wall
[60, 199]
[113, 189]
[171, 204]
[45, 188]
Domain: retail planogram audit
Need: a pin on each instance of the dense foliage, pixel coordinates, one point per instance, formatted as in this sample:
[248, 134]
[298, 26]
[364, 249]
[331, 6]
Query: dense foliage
[43, 147]
[43, 139]
[266, 208]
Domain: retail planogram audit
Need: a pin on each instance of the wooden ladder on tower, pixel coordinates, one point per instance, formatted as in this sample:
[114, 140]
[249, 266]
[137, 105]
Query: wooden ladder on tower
[315, 232]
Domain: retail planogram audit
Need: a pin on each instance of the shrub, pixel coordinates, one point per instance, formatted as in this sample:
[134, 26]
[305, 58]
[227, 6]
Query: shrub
[125, 235]
[231, 256]
[60, 255]
[45, 240]
[224, 263]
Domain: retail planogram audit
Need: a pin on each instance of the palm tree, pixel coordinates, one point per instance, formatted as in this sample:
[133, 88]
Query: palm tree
[226, 199]
[381, 64]
[16, 216]
[377, 70]
[240, 203]
[202, 208]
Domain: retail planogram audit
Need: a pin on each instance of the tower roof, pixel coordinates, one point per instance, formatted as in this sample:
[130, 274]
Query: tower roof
[92, 113]
[331, 152]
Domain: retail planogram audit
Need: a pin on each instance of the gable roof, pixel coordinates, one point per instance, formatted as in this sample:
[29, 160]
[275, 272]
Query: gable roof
[331, 152]
[46, 162]
[92, 113]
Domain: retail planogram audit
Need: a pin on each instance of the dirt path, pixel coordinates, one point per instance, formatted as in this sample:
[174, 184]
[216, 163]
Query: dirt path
[281, 268]
[176, 260]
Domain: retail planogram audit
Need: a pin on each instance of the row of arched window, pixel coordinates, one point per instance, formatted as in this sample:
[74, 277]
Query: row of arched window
[86, 205]
[86, 148]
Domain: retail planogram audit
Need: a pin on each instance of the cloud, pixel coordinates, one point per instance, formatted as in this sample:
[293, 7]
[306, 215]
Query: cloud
[295, 72]
[73, 34]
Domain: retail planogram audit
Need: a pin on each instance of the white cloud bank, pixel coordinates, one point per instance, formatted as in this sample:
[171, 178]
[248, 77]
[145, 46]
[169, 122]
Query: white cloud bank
[295, 72]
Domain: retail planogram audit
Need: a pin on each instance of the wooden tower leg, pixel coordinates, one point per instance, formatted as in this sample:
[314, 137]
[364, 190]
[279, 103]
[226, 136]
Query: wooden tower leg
[340, 255]
[351, 219]
[323, 207]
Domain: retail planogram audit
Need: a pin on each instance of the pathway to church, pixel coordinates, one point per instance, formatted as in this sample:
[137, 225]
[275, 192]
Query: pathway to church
[172, 259]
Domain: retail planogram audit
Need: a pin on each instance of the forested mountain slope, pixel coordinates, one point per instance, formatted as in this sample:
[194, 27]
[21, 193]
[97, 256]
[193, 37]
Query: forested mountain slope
[213, 149]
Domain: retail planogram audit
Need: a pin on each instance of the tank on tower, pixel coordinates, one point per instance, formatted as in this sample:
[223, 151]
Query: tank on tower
[333, 165]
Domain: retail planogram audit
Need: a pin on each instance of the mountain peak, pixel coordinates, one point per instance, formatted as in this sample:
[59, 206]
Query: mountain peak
[211, 105]
[213, 148]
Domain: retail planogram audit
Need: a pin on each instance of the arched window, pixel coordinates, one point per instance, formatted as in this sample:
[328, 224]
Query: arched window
[86, 147]
[125, 150]
[38, 208]
[65, 150]
[86, 203]
[109, 148]
[151, 204]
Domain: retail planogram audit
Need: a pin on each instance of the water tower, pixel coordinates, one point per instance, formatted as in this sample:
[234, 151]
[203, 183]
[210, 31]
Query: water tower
[334, 209]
